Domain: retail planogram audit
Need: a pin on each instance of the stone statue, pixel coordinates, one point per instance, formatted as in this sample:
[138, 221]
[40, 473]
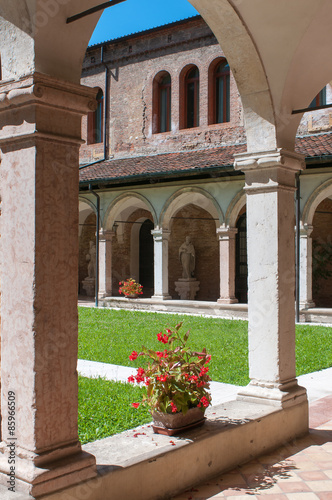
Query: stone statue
[91, 258]
[187, 258]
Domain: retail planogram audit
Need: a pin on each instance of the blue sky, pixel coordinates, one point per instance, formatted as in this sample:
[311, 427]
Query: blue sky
[137, 15]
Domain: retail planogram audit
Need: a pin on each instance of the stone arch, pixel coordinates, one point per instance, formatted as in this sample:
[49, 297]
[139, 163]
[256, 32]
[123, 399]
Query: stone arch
[320, 193]
[123, 203]
[124, 216]
[190, 195]
[234, 208]
[85, 207]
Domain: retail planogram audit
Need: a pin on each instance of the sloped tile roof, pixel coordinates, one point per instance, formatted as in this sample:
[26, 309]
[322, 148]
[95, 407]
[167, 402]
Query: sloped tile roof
[189, 162]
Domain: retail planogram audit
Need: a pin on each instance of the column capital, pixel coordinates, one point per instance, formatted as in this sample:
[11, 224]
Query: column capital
[39, 95]
[269, 171]
[226, 232]
[106, 234]
[266, 159]
[306, 230]
[160, 234]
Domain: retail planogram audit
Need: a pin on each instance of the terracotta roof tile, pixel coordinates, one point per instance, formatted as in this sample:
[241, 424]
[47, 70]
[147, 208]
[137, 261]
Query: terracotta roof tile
[188, 162]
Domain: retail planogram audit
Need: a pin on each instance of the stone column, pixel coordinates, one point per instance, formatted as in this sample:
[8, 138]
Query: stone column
[306, 267]
[226, 237]
[105, 263]
[40, 127]
[160, 239]
[270, 187]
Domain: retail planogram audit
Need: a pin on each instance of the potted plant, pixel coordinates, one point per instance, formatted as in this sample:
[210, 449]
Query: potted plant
[130, 288]
[177, 382]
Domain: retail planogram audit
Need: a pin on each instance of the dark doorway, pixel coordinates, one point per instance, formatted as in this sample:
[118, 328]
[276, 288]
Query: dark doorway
[146, 272]
[241, 272]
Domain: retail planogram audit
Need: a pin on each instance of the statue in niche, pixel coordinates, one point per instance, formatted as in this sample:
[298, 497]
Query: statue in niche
[91, 259]
[187, 258]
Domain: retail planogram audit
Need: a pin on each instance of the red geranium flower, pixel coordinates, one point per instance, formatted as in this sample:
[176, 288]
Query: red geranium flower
[133, 356]
[174, 408]
[135, 405]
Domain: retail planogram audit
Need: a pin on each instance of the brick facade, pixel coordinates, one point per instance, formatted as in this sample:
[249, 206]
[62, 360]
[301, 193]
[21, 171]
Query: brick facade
[133, 64]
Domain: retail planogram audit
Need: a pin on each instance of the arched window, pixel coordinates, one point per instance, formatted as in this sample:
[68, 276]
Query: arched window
[319, 100]
[219, 92]
[191, 86]
[222, 99]
[95, 122]
[162, 102]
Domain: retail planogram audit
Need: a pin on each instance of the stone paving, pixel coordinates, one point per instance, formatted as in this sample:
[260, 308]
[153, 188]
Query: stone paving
[301, 470]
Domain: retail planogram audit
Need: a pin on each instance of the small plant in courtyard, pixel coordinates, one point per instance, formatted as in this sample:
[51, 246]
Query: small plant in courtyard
[176, 377]
[130, 287]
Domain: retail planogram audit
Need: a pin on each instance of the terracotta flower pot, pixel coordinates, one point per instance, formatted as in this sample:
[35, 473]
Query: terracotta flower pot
[132, 296]
[173, 423]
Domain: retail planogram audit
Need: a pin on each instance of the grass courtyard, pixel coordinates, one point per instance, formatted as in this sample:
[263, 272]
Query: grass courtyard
[110, 336]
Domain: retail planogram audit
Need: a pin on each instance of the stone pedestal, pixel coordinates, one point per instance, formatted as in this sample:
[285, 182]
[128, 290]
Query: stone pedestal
[187, 288]
[89, 285]
[40, 125]
[270, 187]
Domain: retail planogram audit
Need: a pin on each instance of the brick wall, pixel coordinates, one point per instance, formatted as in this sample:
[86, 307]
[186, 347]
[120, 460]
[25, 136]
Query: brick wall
[322, 236]
[133, 64]
[199, 225]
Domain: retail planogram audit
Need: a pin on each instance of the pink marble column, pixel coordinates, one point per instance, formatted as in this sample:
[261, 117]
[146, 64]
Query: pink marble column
[40, 123]
[226, 237]
[105, 263]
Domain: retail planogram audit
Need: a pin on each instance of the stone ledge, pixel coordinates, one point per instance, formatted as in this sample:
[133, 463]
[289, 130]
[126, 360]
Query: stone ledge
[151, 467]
[192, 307]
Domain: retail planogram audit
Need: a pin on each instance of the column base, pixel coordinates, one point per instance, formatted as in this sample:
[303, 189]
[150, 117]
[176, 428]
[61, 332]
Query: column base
[161, 297]
[44, 474]
[230, 300]
[307, 305]
[280, 395]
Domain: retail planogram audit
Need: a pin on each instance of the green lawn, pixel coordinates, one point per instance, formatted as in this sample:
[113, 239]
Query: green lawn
[110, 336]
[104, 408]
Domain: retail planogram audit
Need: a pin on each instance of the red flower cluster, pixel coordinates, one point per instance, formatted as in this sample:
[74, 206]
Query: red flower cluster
[133, 356]
[130, 287]
[204, 401]
[162, 354]
[163, 337]
[174, 408]
[203, 371]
